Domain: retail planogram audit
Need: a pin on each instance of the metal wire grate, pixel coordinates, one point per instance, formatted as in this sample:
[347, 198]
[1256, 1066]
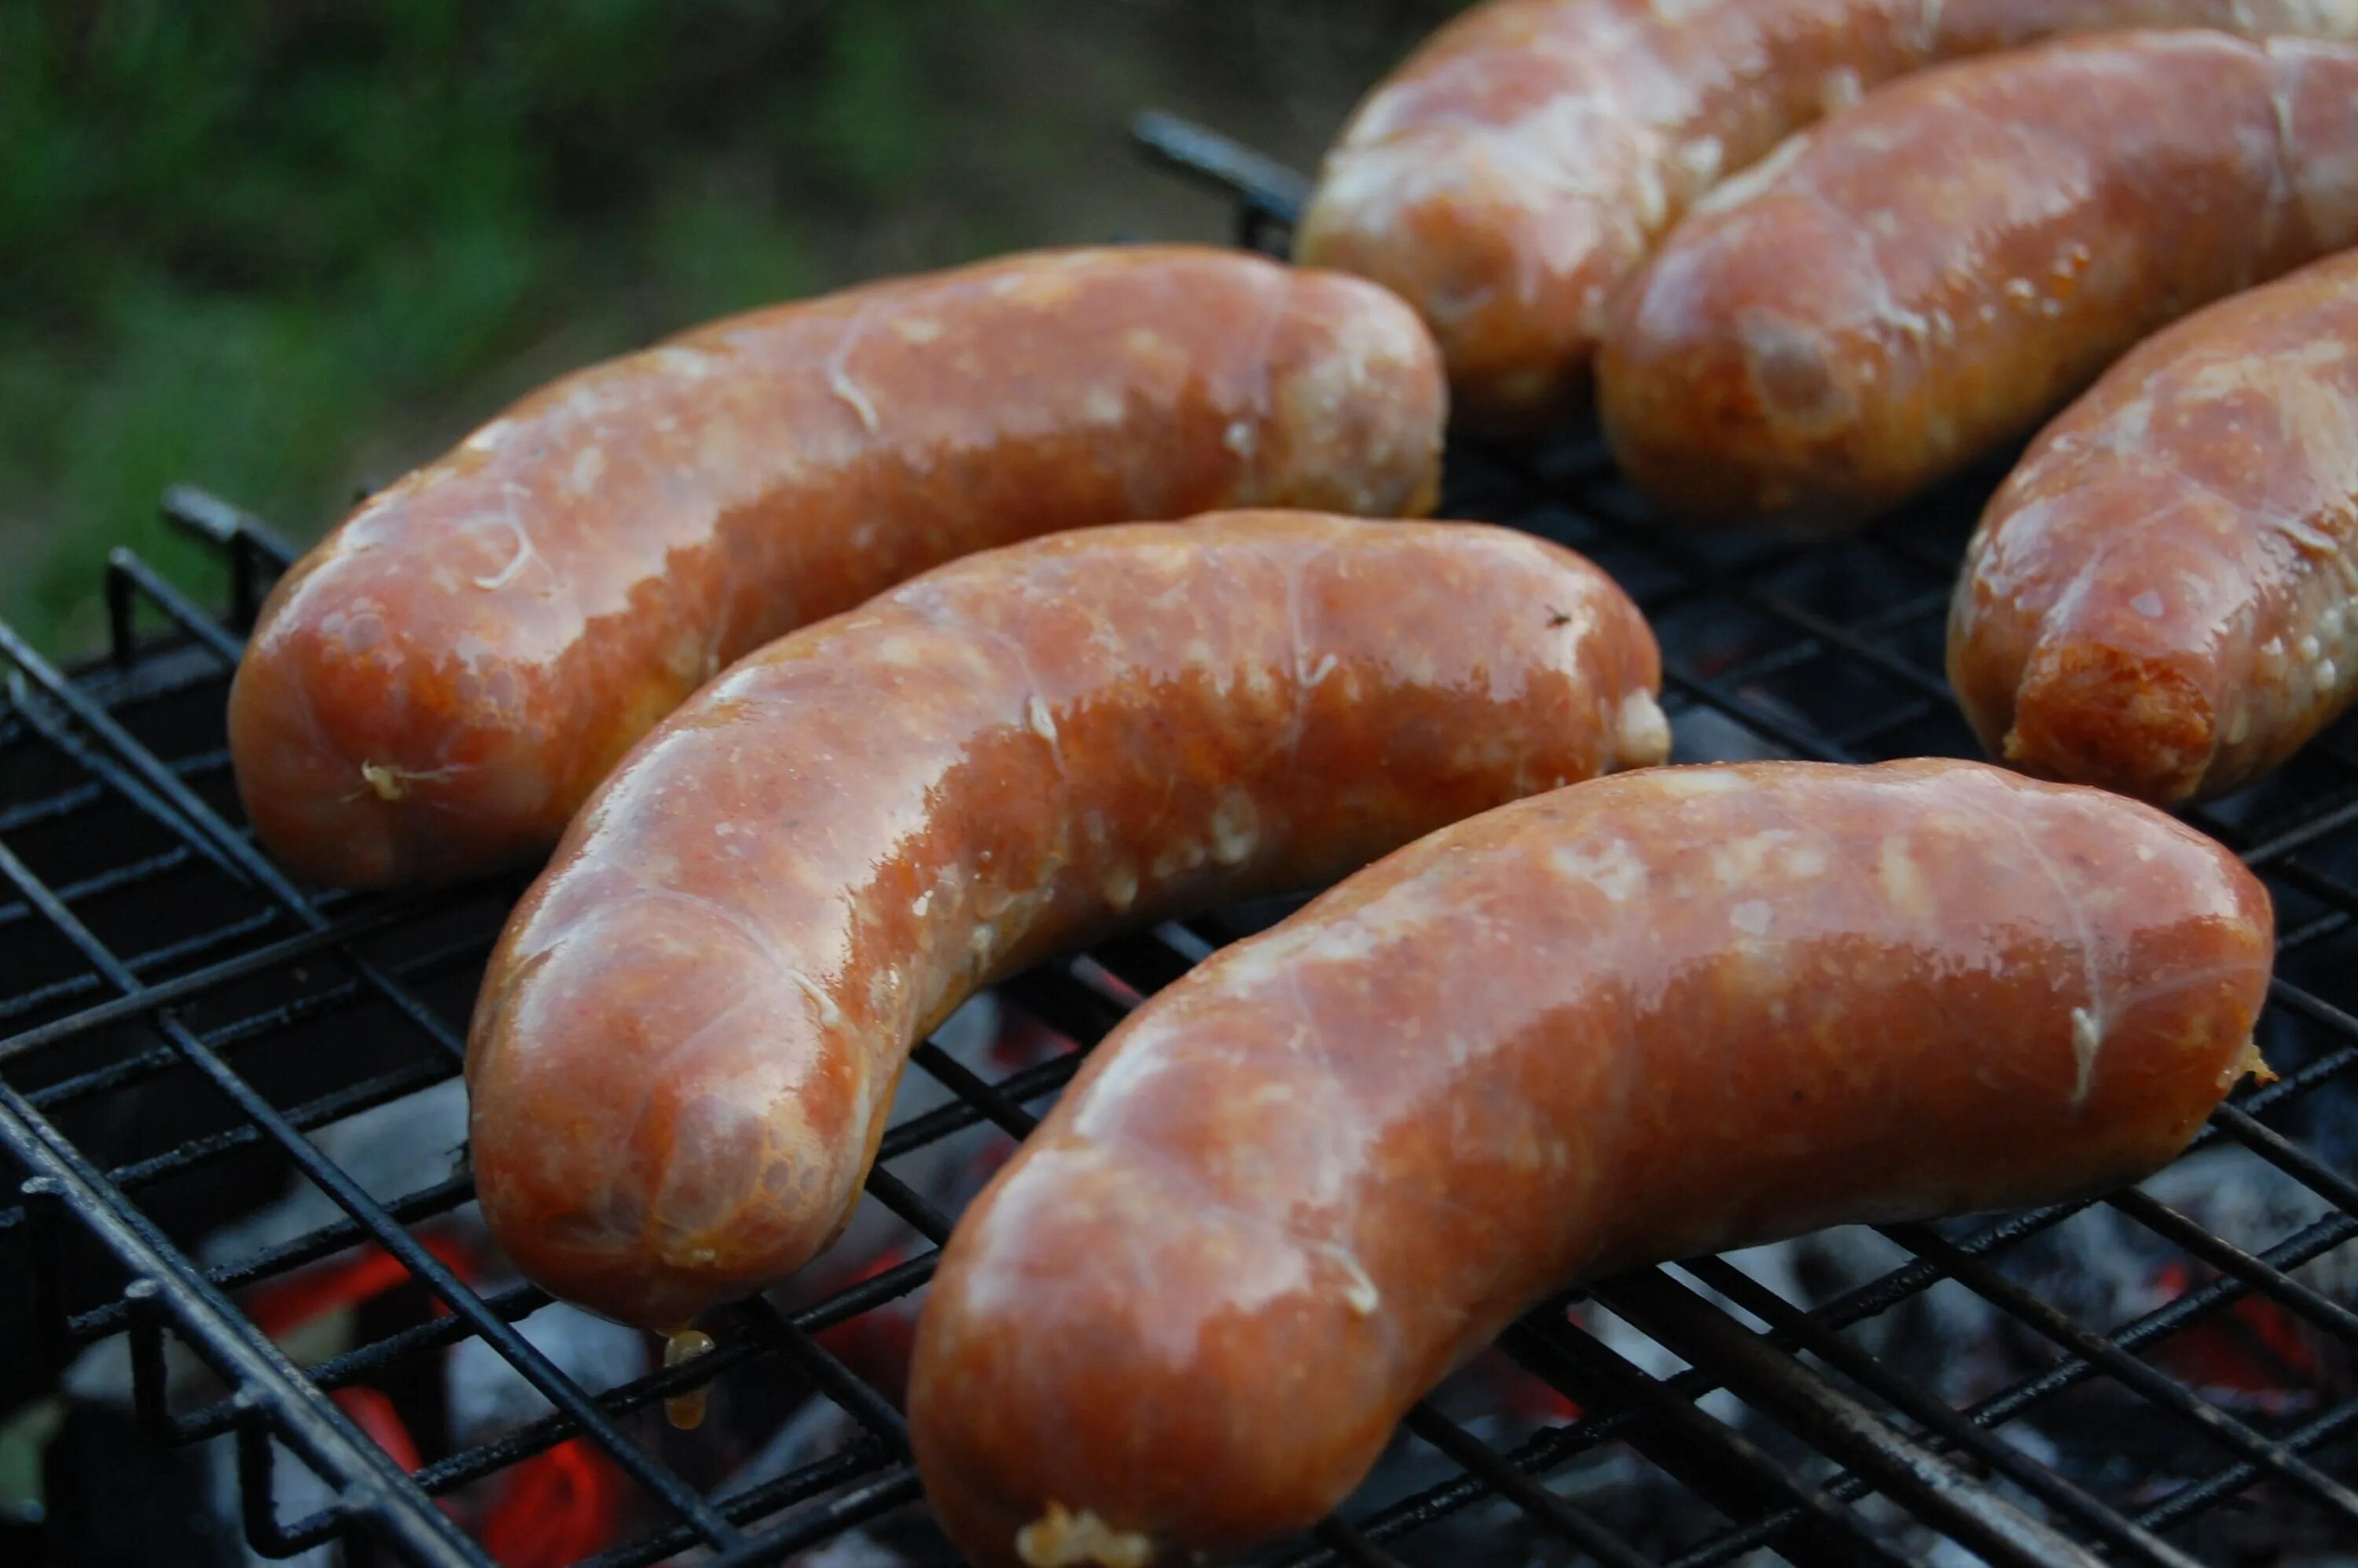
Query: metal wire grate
[182, 1030]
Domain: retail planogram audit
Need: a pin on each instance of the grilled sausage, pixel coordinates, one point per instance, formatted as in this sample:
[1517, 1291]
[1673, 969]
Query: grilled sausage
[435, 688]
[690, 1031]
[1523, 163]
[2159, 600]
[1936, 270]
[1636, 1020]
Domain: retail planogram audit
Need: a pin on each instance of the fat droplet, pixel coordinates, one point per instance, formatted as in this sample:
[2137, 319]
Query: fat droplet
[685, 1410]
[1060, 1538]
[1236, 828]
[383, 780]
[2087, 1043]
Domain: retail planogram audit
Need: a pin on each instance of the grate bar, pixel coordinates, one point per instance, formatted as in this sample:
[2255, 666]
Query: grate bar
[1504, 1477]
[306, 1419]
[310, 1247]
[348, 1194]
[2213, 1422]
[2290, 839]
[254, 548]
[1934, 1414]
[830, 1376]
[128, 577]
[945, 1069]
[2186, 1500]
[80, 797]
[2278, 1150]
[903, 1200]
[1268, 194]
[863, 1458]
[871, 1500]
[150, 1063]
[1768, 1380]
[1340, 1537]
[526, 1357]
[146, 999]
[130, 874]
[141, 797]
[1722, 1465]
[2229, 1258]
[546, 1432]
[201, 825]
[350, 1101]
[1030, 1083]
[1557, 1444]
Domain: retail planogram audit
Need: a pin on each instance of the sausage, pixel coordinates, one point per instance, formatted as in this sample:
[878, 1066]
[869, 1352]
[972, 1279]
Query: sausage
[689, 1033]
[1636, 1019]
[1936, 271]
[1523, 163]
[434, 689]
[2158, 600]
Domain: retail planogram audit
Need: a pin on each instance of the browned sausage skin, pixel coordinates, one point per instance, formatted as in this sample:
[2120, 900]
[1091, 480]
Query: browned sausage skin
[1936, 270]
[436, 687]
[690, 1031]
[2160, 598]
[1636, 1019]
[1523, 163]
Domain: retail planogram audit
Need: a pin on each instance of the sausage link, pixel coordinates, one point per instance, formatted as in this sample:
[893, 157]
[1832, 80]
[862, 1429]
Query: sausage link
[1523, 163]
[2159, 600]
[690, 1031]
[1936, 271]
[1641, 1019]
[436, 687]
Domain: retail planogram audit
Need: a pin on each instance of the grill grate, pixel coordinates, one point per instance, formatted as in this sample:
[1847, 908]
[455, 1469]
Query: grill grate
[182, 1031]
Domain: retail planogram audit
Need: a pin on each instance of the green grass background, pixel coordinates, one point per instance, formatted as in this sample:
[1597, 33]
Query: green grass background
[286, 248]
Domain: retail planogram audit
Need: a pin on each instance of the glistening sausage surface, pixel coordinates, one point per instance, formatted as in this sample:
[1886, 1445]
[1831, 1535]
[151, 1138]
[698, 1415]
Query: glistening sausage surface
[1640, 1019]
[689, 1033]
[2159, 600]
[436, 687]
[1528, 158]
[1936, 271]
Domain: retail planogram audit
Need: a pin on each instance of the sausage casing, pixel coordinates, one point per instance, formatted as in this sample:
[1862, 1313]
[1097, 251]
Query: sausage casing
[1640, 1019]
[689, 1033]
[2159, 600]
[1523, 163]
[1936, 270]
[436, 687]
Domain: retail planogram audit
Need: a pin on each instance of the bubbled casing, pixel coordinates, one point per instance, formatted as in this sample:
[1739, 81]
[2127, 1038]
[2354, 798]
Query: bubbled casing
[1933, 272]
[690, 1031]
[2158, 600]
[1639, 1019]
[1519, 167]
[433, 688]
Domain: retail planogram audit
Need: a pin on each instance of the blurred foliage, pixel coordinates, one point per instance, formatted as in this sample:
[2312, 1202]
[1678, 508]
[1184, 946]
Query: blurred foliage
[241, 233]
[278, 247]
